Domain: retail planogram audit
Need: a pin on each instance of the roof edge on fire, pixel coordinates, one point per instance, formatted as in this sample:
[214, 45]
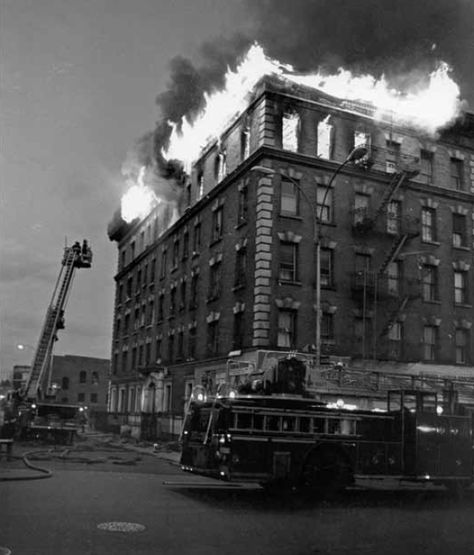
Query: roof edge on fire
[463, 125]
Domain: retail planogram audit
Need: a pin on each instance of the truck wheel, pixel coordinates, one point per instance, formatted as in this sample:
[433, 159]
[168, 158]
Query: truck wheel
[326, 471]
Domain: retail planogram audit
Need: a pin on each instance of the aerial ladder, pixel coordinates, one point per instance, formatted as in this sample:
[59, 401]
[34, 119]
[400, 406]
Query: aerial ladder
[38, 383]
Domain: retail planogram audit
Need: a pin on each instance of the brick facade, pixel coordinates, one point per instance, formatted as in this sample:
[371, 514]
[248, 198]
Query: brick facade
[187, 338]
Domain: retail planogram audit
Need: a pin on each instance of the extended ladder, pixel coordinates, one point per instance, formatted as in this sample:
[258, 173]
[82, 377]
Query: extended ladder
[74, 257]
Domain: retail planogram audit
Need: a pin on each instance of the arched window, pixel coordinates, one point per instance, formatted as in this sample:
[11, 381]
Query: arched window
[82, 376]
[95, 377]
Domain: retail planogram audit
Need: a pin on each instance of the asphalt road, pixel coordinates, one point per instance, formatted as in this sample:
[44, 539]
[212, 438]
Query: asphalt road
[180, 514]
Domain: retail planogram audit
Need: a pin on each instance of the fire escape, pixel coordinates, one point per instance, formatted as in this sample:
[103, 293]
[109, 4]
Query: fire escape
[372, 287]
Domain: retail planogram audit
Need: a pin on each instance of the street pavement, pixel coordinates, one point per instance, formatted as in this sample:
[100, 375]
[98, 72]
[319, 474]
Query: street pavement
[112, 496]
[90, 442]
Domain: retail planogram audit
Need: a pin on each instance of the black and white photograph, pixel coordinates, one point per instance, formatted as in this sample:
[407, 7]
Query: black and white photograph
[236, 277]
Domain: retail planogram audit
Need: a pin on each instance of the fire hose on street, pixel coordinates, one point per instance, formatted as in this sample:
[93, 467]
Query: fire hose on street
[67, 455]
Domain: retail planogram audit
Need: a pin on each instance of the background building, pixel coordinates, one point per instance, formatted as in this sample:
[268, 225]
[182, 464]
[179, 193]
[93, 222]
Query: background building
[230, 283]
[81, 380]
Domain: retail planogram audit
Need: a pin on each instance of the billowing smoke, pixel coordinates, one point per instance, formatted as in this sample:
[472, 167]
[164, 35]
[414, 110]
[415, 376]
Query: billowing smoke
[401, 39]
[144, 163]
[184, 97]
[374, 36]
[190, 81]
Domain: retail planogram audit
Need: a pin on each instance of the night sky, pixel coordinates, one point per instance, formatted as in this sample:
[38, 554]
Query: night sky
[82, 80]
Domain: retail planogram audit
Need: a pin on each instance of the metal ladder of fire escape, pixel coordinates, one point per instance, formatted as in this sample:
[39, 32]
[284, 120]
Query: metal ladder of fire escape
[393, 253]
[397, 179]
[51, 324]
[394, 315]
[395, 183]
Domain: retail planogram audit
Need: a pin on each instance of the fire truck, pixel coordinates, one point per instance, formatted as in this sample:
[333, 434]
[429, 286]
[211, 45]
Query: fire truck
[38, 414]
[276, 432]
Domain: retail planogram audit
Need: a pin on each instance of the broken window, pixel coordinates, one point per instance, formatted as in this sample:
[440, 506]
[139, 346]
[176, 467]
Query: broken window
[362, 139]
[290, 131]
[245, 143]
[325, 135]
[221, 165]
[200, 184]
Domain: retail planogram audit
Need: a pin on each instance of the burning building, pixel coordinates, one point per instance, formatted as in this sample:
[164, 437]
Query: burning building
[308, 222]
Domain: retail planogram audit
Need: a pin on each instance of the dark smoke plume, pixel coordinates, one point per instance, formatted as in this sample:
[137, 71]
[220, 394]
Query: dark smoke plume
[188, 83]
[398, 38]
[390, 37]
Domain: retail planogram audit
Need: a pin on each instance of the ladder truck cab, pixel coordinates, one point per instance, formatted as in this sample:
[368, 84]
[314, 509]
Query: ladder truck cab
[38, 415]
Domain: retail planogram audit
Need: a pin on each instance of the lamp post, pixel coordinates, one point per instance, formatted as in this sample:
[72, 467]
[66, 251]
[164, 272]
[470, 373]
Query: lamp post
[356, 154]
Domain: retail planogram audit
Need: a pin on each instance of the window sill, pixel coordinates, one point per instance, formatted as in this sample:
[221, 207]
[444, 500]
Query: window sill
[215, 241]
[462, 248]
[433, 243]
[288, 282]
[240, 224]
[289, 216]
[462, 305]
[427, 301]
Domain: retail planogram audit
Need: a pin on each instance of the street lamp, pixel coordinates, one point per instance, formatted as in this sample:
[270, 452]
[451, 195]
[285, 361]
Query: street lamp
[24, 346]
[356, 154]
